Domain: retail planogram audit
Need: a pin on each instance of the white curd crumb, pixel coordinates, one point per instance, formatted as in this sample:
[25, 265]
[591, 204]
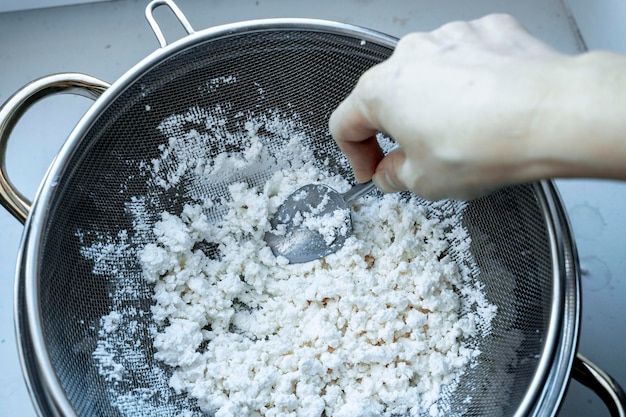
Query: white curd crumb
[374, 329]
[111, 322]
[330, 225]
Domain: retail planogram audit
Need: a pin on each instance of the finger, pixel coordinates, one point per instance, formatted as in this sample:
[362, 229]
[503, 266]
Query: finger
[356, 136]
[350, 122]
[386, 176]
[364, 157]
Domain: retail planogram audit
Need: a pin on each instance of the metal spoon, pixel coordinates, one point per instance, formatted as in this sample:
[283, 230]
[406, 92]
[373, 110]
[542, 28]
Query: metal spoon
[314, 221]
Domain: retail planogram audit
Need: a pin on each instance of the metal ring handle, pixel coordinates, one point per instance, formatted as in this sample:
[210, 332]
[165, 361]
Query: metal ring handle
[591, 376]
[11, 111]
[155, 26]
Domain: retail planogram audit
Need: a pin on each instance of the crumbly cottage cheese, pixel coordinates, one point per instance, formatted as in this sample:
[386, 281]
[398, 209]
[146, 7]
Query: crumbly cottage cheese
[330, 225]
[372, 330]
[383, 327]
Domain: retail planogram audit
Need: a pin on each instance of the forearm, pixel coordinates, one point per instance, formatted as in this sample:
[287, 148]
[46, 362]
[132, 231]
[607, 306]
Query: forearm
[580, 129]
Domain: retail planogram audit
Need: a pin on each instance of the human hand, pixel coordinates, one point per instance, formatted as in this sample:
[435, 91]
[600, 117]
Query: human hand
[462, 102]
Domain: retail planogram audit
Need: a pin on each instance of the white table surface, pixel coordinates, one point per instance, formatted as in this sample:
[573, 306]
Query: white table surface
[106, 39]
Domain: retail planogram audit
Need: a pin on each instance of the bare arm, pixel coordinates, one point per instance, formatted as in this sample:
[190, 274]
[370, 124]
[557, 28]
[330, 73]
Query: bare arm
[478, 105]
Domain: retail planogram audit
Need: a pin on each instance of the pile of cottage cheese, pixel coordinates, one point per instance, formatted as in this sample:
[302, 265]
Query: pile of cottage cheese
[378, 328]
[383, 327]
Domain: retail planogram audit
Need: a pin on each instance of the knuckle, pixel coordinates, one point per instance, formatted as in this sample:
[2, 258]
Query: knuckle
[456, 29]
[498, 21]
[416, 41]
[369, 89]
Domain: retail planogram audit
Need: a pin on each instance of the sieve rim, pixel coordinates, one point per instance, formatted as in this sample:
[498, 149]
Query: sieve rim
[42, 404]
[549, 384]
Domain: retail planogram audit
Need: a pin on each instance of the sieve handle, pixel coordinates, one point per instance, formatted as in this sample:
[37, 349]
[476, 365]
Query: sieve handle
[590, 375]
[11, 111]
[155, 26]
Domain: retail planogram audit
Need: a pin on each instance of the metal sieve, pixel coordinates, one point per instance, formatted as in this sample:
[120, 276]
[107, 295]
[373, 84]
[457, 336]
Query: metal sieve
[522, 248]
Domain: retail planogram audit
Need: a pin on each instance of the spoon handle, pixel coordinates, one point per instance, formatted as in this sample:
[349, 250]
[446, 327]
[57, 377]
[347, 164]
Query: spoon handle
[357, 192]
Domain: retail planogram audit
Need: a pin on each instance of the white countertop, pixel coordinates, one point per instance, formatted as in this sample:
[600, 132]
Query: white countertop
[106, 39]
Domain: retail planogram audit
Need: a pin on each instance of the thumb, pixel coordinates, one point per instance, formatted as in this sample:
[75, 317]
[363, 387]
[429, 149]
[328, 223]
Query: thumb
[386, 175]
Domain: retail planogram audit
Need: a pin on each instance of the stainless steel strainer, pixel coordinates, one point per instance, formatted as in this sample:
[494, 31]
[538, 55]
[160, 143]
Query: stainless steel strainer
[522, 247]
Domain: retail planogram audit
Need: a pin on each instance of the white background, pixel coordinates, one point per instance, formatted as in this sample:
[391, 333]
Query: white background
[106, 39]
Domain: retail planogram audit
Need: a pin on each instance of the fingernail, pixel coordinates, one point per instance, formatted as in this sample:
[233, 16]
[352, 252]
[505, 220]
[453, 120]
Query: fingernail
[386, 182]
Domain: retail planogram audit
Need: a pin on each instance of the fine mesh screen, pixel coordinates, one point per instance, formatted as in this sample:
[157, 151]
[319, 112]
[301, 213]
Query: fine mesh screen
[288, 72]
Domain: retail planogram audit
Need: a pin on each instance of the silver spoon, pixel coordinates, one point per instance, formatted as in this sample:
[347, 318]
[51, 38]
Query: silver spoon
[314, 221]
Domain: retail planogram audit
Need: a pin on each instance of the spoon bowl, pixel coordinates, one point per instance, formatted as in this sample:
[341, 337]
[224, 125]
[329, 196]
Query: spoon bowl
[314, 221]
